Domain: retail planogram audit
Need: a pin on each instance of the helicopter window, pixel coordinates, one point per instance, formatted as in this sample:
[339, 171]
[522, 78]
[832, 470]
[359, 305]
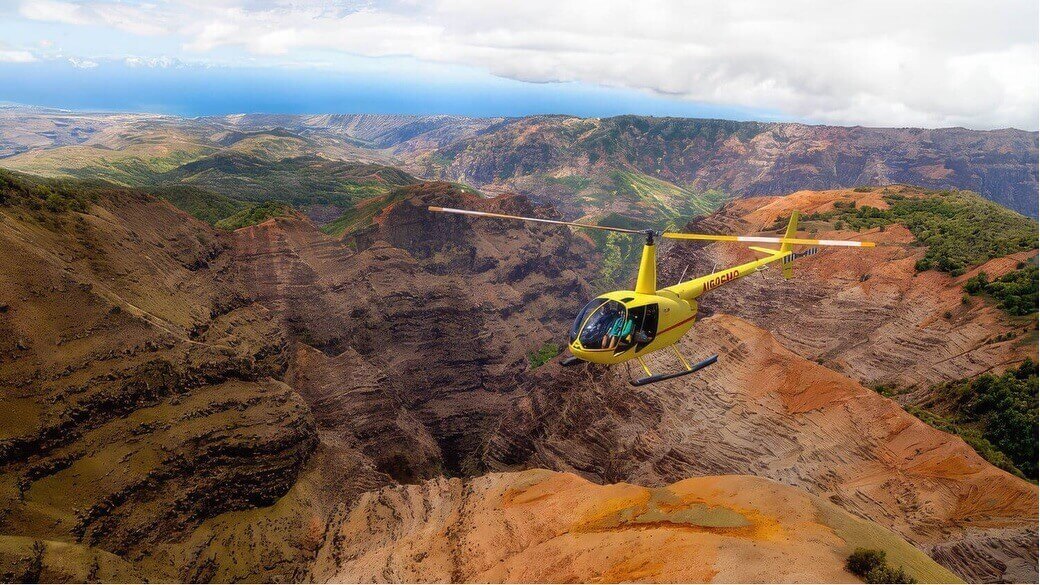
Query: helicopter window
[583, 314]
[606, 327]
[645, 319]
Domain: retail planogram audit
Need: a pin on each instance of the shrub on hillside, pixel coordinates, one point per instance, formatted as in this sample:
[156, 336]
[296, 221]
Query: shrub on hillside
[1016, 291]
[864, 560]
[542, 355]
[870, 565]
[996, 415]
[55, 195]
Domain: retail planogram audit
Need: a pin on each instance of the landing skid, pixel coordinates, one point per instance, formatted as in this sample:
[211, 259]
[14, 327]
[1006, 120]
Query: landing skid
[661, 377]
[570, 361]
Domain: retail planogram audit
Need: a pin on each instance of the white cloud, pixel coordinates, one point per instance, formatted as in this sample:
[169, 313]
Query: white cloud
[163, 62]
[54, 11]
[144, 19]
[16, 56]
[887, 62]
[79, 63]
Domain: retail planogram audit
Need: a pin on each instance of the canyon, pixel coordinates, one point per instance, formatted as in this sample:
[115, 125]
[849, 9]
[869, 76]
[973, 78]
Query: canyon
[277, 404]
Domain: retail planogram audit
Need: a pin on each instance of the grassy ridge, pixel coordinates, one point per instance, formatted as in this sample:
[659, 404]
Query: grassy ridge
[362, 213]
[255, 214]
[668, 199]
[37, 193]
[300, 181]
[206, 205]
[641, 202]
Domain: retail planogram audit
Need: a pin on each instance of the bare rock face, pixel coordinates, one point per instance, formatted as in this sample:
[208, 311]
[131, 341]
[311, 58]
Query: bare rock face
[867, 312]
[539, 526]
[764, 411]
[137, 381]
[414, 333]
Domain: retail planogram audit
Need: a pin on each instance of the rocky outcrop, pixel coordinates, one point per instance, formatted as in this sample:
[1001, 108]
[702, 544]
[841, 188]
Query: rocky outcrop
[764, 411]
[539, 527]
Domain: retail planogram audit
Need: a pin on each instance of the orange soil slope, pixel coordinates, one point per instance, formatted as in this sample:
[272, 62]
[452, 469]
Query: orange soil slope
[765, 411]
[541, 526]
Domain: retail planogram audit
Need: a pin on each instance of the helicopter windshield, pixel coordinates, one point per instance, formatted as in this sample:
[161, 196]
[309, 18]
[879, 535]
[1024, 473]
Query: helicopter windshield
[605, 326]
[584, 314]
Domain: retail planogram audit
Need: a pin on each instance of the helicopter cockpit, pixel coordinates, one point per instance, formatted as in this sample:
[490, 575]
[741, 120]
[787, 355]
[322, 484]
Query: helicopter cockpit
[605, 324]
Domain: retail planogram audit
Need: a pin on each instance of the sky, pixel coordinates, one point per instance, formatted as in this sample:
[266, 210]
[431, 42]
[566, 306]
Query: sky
[880, 63]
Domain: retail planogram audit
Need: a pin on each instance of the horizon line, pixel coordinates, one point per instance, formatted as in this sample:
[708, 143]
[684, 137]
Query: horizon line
[19, 105]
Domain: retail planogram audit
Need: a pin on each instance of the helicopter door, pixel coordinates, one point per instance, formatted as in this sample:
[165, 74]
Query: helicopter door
[637, 330]
[644, 320]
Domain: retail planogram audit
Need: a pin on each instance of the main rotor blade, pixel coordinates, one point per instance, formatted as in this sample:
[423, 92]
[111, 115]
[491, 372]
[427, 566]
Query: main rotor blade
[536, 219]
[767, 240]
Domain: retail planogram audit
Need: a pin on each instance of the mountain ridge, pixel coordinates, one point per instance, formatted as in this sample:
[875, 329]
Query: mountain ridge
[521, 154]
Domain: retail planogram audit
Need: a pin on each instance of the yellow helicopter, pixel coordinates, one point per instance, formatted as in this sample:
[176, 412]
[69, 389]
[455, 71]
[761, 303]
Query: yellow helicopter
[625, 324]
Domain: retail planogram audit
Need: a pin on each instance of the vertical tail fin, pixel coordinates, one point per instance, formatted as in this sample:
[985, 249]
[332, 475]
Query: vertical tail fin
[792, 232]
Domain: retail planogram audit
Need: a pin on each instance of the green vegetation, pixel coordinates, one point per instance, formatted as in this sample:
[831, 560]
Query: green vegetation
[621, 252]
[666, 199]
[871, 566]
[57, 195]
[996, 415]
[886, 390]
[959, 228]
[571, 182]
[215, 181]
[651, 203]
[360, 215]
[258, 213]
[206, 205]
[1016, 291]
[304, 180]
[972, 436]
[136, 165]
[543, 354]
